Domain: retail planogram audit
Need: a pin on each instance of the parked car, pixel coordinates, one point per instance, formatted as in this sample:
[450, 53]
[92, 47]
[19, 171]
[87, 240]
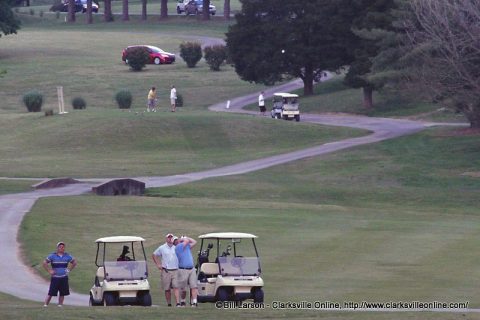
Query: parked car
[196, 7]
[80, 5]
[157, 55]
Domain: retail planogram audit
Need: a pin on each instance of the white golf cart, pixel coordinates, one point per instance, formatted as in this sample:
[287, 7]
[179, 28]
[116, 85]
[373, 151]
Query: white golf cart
[233, 271]
[285, 106]
[121, 277]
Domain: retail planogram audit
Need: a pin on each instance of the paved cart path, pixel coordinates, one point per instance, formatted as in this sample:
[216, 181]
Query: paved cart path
[21, 281]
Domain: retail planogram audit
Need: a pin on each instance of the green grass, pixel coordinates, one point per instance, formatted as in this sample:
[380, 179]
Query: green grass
[15, 186]
[112, 143]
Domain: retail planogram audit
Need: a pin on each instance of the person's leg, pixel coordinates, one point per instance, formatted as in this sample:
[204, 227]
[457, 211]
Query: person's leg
[60, 300]
[166, 284]
[168, 297]
[177, 296]
[47, 300]
[52, 290]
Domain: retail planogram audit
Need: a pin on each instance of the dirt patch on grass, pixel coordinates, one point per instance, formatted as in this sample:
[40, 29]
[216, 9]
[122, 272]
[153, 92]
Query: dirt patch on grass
[475, 174]
[461, 132]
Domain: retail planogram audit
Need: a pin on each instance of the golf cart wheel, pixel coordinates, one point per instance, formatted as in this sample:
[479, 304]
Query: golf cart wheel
[109, 299]
[145, 299]
[297, 118]
[278, 116]
[92, 302]
[258, 295]
[223, 294]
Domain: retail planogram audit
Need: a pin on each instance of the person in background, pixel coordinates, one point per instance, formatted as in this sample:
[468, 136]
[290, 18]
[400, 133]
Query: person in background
[61, 263]
[173, 98]
[187, 272]
[151, 100]
[166, 260]
[261, 103]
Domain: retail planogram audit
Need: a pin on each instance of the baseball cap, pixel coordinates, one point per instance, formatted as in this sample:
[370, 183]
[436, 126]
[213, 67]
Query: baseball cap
[175, 238]
[169, 235]
[58, 244]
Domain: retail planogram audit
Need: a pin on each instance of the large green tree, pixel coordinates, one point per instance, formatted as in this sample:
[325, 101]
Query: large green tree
[374, 15]
[9, 23]
[276, 39]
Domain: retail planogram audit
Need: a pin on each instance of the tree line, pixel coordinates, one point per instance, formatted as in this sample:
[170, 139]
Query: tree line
[426, 48]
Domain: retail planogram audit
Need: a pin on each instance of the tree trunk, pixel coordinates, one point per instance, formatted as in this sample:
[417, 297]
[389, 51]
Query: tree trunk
[125, 16]
[206, 10]
[107, 14]
[226, 10]
[473, 116]
[71, 12]
[144, 10]
[163, 9]
[368, 97]
[89, 12]
[308, 81]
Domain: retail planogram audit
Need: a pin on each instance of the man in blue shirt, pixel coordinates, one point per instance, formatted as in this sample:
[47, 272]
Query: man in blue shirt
[187, 272]
[61, 263]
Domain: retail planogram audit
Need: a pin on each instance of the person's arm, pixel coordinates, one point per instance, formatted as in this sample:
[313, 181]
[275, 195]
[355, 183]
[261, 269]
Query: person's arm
[73, 264]
[189, 241]
[45, 266]
[157, 261]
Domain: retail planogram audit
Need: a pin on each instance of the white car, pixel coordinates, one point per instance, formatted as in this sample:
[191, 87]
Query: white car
[193, 7]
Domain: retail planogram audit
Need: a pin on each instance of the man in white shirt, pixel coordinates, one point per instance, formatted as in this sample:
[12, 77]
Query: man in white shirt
[261, 103]
[173, 98]
[167, 262]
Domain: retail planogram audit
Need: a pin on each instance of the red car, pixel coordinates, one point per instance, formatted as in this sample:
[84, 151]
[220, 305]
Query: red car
[157, 55]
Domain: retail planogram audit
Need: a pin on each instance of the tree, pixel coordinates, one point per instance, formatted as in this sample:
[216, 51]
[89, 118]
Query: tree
[71, 12]
[375, 14]
[435, 54]
[107, 13]
[226, 9]
[9, 23]
[206, 10]
[273, 40]
[125, 15]
[164, 9]
[89, 12]
[144, 10]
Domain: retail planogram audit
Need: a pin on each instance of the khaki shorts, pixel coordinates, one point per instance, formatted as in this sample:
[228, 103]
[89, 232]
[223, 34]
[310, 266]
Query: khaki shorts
[187, 278]
[169, 279]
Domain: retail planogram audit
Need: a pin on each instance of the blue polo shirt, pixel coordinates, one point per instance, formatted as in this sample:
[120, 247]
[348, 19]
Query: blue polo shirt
[185, 259]
[59, 264]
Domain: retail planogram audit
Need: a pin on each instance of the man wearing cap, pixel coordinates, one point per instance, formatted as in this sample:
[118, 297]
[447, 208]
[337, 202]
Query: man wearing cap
[187, 274]
[61, 263]
[166, 260]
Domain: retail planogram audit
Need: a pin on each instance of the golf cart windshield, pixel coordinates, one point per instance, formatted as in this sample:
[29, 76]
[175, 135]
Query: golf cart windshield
[125, 270]
[239, 266]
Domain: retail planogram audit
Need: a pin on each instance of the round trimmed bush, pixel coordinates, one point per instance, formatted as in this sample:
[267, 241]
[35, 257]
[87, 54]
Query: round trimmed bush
[79, 103]
[215, 56]
[137, 58]
[124, 99]
[33, 100]
[191, 52]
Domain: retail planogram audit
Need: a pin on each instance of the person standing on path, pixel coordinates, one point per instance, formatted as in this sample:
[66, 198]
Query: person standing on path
[173, 98]
[61, 263]
[166, 260]
[261, 103]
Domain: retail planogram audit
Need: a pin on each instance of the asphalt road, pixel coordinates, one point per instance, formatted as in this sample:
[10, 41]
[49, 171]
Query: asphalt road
[21, 281]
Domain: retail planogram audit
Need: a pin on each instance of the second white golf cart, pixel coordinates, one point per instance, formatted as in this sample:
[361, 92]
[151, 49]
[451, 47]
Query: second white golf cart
[233, 272]
[121, 277]
[285, 106]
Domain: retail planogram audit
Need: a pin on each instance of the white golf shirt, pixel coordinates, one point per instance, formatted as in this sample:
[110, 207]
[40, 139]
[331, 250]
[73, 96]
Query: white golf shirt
[168, 256]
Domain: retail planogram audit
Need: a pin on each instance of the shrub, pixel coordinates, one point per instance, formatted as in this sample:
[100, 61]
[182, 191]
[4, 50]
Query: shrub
[57, 6]
[48, 112]
[33, 100]
[179, 102]
[57, 14]
[215, 56]
[79, 103]
[124, 98]
[191, 52]
[137, 58]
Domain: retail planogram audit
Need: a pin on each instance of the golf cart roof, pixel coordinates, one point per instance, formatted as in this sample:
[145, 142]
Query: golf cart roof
[119, 239]
[285, 95]
[227, 235]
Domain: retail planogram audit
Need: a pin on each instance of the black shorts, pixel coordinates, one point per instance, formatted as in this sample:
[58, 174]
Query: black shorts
[59, 285]
[262, 108]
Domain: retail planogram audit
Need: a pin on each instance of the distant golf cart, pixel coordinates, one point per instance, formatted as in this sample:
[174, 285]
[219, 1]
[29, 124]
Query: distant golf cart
[233, 271]
[285, 106]
[121, 277]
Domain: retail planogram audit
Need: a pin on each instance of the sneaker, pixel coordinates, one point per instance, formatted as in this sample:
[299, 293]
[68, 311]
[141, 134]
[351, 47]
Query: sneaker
[178, 305]
[45, 305]
[194, 305]
[169, 304]
[60, 305]
[183, 304]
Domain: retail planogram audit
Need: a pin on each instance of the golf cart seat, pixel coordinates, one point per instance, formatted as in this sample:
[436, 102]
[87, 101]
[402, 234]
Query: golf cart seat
[99, 276]
[210, 271]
